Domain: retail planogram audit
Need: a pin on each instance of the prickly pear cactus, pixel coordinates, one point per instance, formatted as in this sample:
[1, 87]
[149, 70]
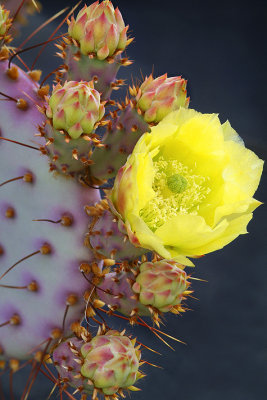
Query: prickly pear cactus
[77, 246]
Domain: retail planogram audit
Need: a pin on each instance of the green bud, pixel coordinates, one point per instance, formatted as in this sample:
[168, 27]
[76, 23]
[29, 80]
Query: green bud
[75, 108]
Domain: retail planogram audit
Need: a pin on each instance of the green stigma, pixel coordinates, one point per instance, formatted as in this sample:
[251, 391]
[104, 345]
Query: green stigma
[177, 183]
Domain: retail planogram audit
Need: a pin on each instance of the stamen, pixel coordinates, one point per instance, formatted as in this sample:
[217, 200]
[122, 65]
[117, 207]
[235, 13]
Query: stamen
[178, 190]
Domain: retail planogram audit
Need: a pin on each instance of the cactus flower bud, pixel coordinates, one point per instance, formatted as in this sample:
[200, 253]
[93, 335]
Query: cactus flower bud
[99, 29]
[4, 22]
[111, 362]
[107, 363]
[161, 284]
[158, 97]
[75, 108]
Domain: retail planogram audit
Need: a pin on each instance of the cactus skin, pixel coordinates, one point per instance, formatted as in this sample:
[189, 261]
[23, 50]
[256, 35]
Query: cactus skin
[82, 67]
[67, 367]
[108, 239]
[122, 298]
[68, 157]
[119, 141]
[107, 363]
[56, 275]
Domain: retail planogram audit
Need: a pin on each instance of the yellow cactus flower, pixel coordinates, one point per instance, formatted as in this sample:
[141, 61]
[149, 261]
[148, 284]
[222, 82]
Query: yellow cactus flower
[186, 190]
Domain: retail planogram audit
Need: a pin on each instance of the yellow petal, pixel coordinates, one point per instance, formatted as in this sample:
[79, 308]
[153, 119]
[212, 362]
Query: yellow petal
[236, 227]
[189, 232]
[241, 207]
[243, 170]
[146, 237]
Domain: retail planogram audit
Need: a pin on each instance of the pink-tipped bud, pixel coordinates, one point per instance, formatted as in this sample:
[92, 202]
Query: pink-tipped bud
[158, 97]
[107, 363]
[111, 362]
[161, 284]
[75, 108]
[99, 29]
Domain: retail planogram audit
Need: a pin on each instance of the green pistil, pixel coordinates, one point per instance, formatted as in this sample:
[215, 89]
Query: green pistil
[176, 183]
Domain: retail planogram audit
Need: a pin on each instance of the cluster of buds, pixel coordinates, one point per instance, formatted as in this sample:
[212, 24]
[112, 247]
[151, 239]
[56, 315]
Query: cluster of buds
[76, 108]
[99, 30]
[156, 98]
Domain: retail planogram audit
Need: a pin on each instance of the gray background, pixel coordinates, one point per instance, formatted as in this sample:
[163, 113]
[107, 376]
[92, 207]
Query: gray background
[220, 47]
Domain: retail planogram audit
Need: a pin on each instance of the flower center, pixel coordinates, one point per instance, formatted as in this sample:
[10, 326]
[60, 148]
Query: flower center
[176, 183]
[178, 190]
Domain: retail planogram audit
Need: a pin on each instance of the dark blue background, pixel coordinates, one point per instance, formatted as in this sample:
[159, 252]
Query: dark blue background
[220, 47]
